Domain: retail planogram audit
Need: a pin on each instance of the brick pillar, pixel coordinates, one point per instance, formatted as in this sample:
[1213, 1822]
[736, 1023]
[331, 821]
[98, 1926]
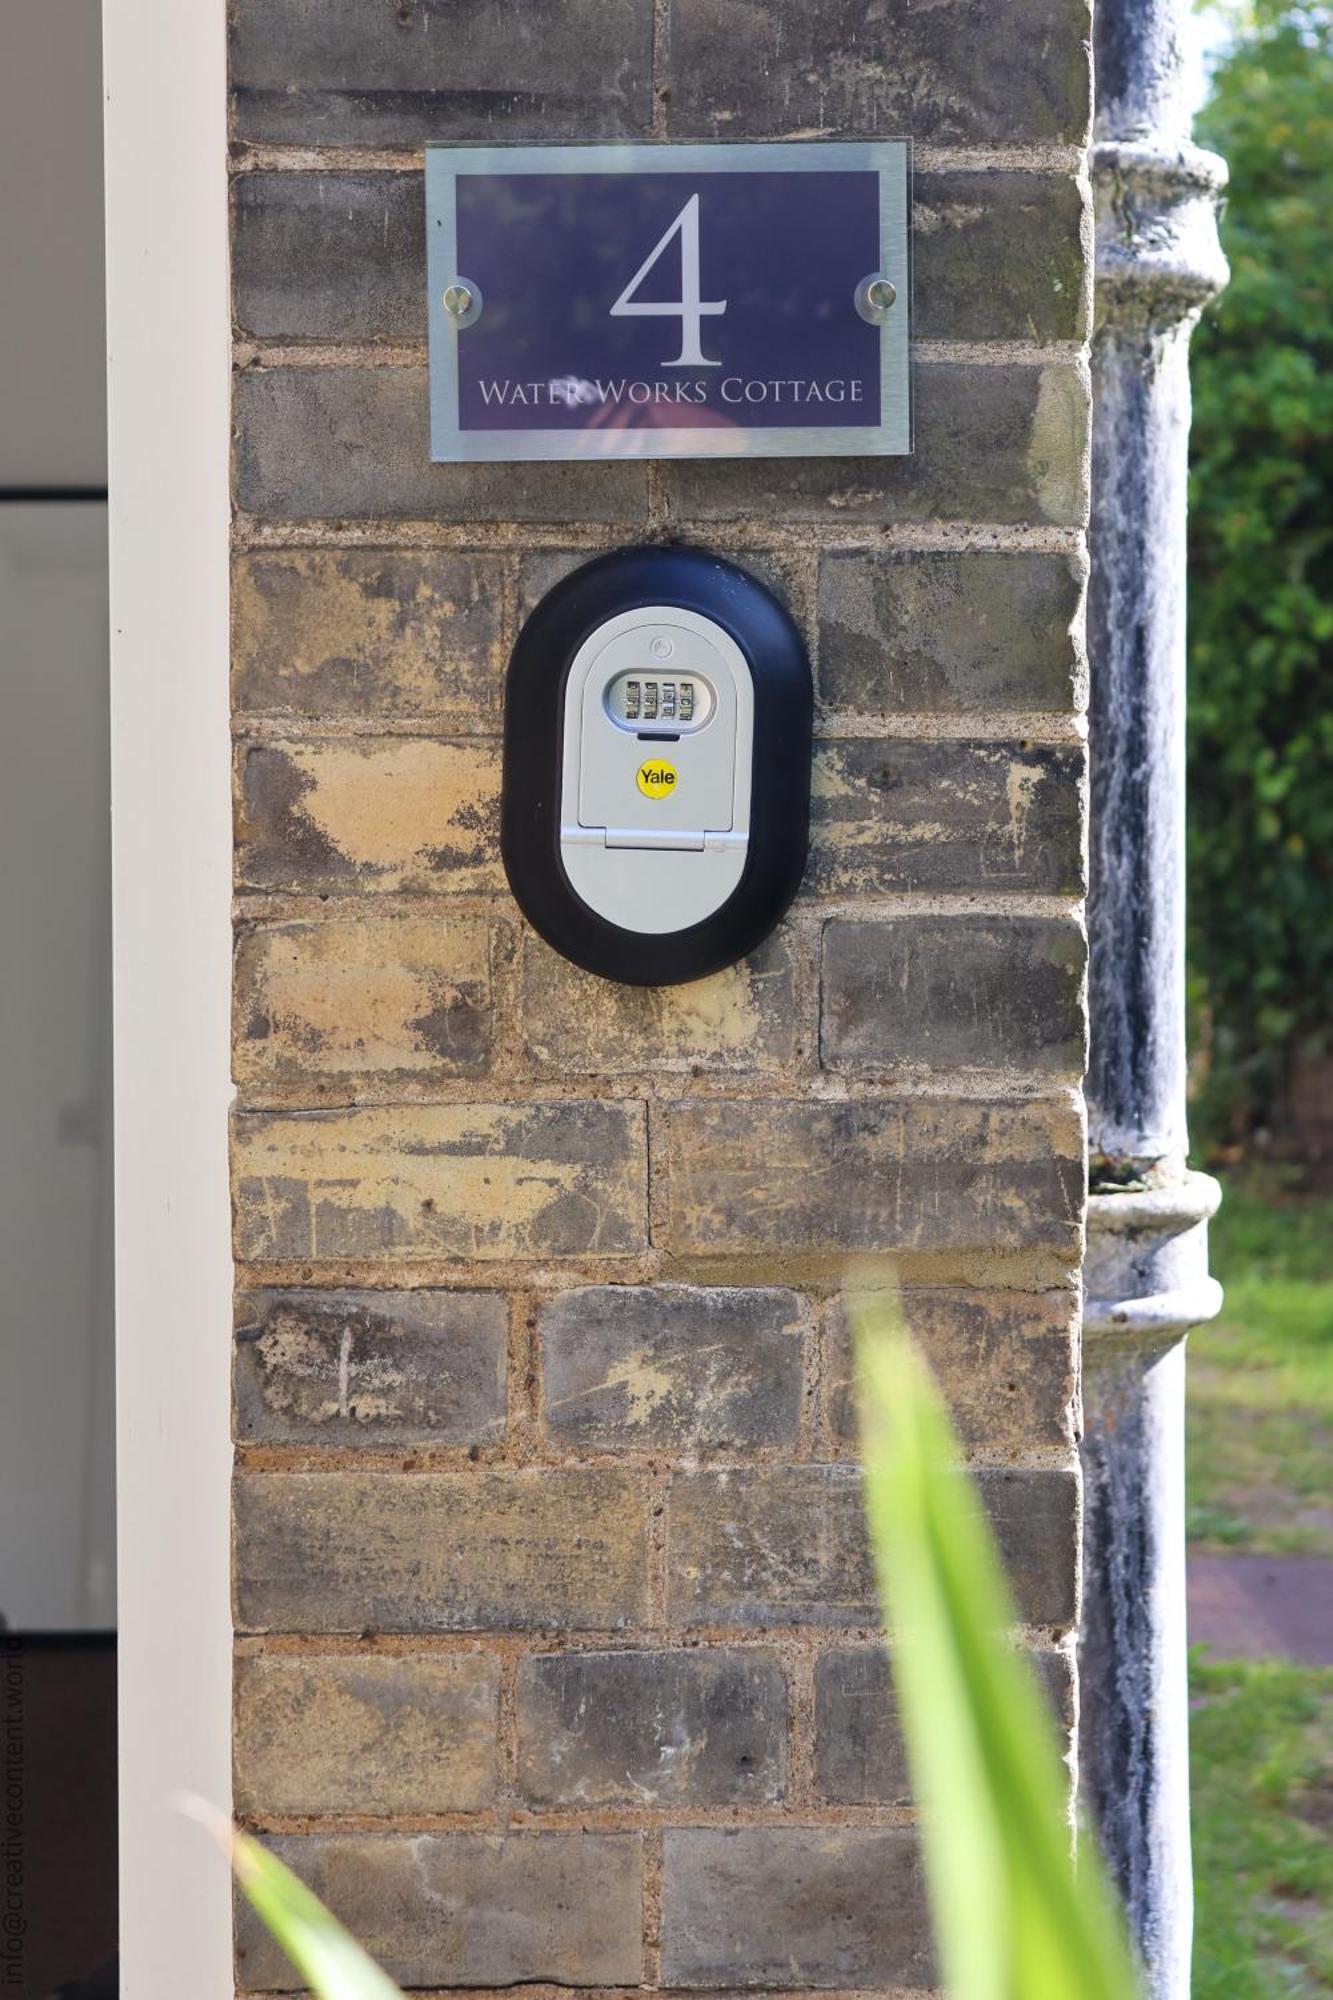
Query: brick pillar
[556, 1650]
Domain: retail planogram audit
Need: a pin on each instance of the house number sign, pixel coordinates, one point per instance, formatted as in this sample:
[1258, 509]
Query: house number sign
[668, 301]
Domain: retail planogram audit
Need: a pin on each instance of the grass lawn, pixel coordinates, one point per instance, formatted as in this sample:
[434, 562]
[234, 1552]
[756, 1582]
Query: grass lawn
[1260, 1424]
[1260, 1421]
[1262, 1778]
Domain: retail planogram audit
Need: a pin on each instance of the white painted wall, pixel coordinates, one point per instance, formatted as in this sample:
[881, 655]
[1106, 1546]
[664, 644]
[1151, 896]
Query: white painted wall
[52, 331]
[57, 1496]
[57, 1429]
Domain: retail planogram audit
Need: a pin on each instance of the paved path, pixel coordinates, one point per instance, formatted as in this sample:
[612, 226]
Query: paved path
[1262, 1607]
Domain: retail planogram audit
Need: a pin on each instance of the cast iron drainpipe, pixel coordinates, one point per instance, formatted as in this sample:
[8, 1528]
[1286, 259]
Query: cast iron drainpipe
[1158, 263]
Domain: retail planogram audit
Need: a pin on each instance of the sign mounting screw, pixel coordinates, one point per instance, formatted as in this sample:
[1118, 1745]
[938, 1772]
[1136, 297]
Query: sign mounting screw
[875, 297]
[462, 301]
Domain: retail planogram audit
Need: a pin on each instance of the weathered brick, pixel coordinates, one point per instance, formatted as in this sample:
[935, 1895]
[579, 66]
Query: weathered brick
[332, 1011]
[435, 1181]
[794, 1906]
[341, 255]
[1000, 256]
[954, 993]
[489, 1548]
[956, 72]
[1006, 1361]
[371, 1368]
[302, 438]
[1035, 1517]
[696, 1728]
[368, 632]
[672, 1367]
[365, 1735]
[878, 1174]
[860, 1756]
[380, 813]
[329, 256]
[468, 1909]
[950, 816]
[544, 568]
[742, 1018]
[343, 73]
[772, 1545]
[786, 1545]
[977, 632]
[1005, 443]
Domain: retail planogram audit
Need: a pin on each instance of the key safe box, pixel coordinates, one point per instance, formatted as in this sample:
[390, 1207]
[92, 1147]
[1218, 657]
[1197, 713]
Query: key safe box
[656, 791]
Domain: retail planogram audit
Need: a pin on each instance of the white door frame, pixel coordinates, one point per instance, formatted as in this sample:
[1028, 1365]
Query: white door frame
[168, 368]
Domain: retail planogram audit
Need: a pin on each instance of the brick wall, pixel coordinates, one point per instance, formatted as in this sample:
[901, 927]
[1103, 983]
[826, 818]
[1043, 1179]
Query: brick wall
[556, 1658]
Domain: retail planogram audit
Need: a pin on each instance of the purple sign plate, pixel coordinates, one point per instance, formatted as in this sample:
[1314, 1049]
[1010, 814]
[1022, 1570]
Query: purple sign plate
[668, 301]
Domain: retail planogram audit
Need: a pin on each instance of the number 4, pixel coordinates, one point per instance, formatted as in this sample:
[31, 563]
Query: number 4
[689, 306]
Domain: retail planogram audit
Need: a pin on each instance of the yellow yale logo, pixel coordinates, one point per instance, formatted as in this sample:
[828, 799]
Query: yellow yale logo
[657, 778]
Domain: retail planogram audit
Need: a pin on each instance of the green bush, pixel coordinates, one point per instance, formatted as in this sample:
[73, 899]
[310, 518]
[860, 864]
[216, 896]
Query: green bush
[1261, 579]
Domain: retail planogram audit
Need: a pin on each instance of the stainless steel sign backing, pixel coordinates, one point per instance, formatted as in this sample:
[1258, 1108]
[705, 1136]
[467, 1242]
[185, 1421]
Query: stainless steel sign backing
[668, 301]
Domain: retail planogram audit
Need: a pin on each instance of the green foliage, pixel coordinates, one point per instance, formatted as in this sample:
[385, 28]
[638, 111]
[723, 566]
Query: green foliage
[1013, 1916]
[1261, 1756]
[1261, 576]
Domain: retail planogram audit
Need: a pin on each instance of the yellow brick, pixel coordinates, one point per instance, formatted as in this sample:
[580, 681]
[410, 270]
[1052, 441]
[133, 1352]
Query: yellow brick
[365, 1735]
[513, 1547]
[370, 813]
[438, 1181]
[330, 1008]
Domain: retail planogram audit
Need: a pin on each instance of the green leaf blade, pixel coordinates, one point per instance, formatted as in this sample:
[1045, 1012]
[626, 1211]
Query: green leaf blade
[329, 1959]
[1014, 1919]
